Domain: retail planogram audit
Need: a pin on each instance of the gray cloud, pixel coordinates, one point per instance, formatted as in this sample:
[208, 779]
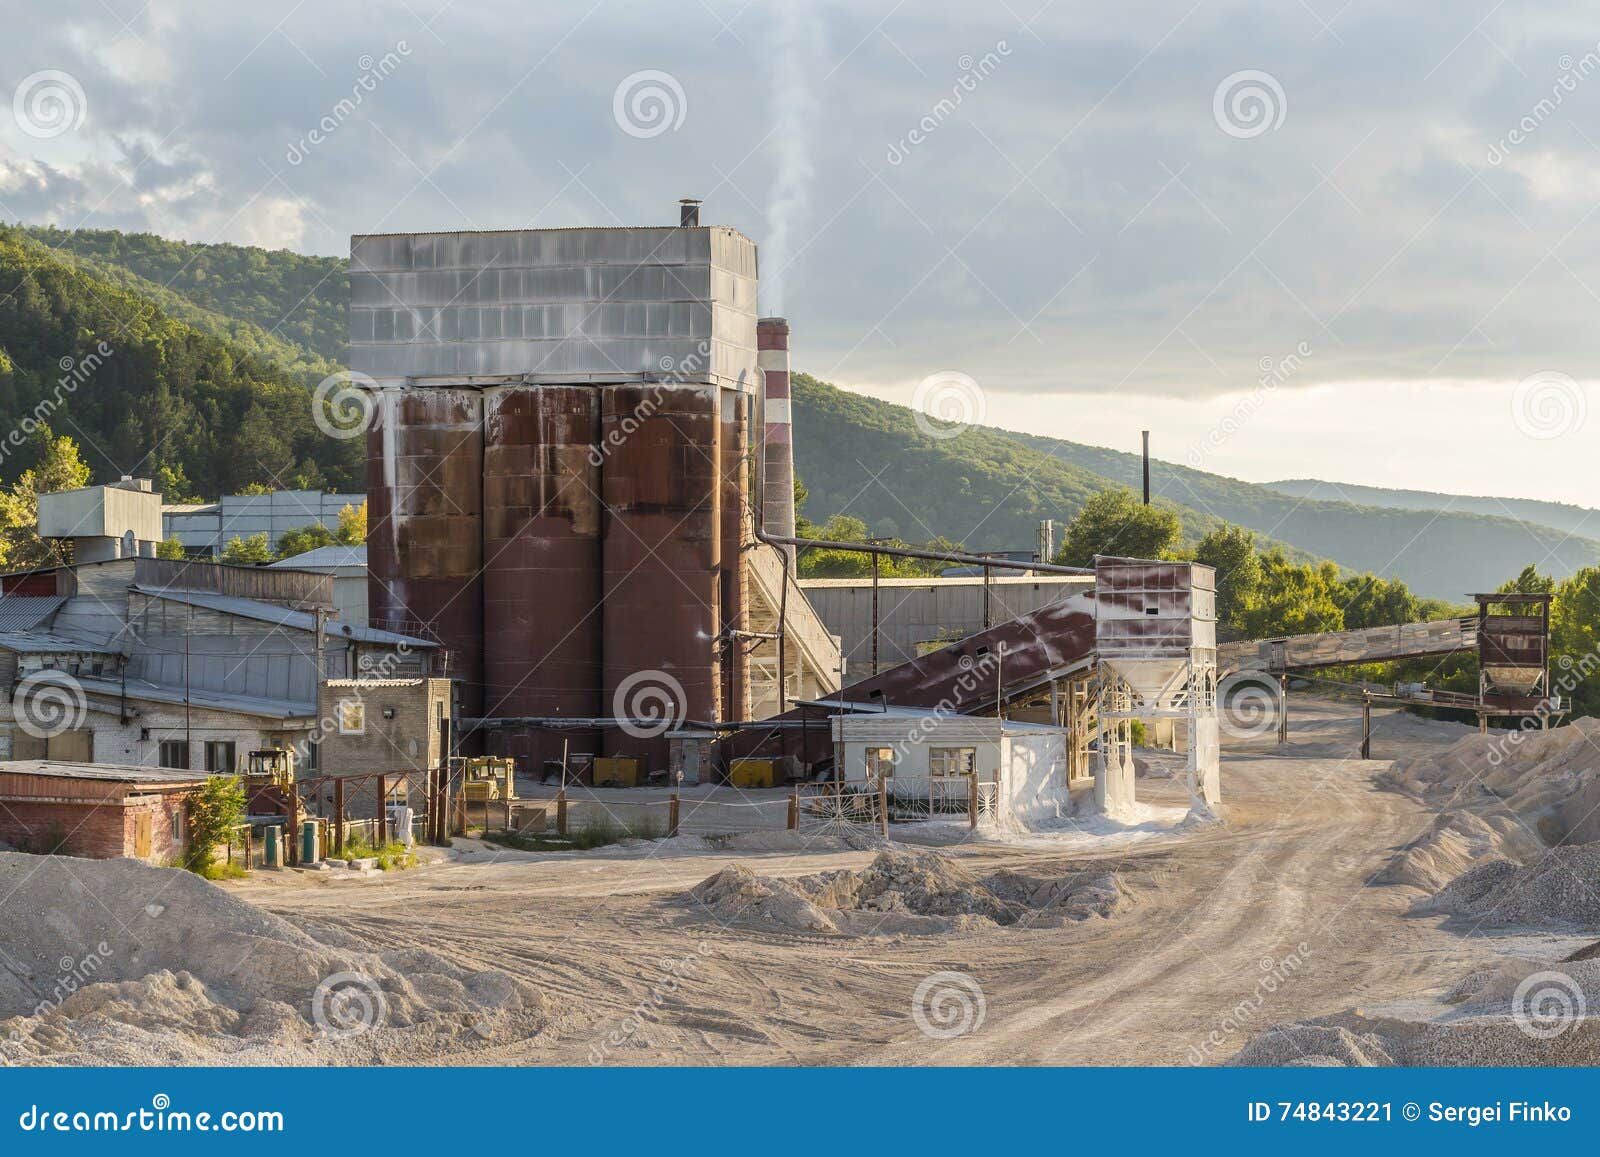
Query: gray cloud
[1076, 220]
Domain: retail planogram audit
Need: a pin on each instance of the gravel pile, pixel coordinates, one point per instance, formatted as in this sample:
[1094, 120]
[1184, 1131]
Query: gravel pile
[1559, 890]
[1522, 1013]
[907, 892]
[115, 962]
[1457, 842]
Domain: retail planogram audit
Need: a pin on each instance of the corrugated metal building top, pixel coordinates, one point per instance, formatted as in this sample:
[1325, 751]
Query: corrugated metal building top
[25, 612]
[283, 617]
[326, 556]
[114, 772]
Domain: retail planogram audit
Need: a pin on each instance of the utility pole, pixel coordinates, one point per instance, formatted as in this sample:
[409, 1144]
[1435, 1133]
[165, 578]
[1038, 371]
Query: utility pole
[1145, 434]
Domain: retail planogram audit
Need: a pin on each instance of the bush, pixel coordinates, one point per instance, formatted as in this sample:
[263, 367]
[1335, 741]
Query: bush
[214, 811]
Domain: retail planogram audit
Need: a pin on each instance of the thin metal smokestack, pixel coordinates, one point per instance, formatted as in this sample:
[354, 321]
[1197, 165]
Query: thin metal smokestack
[688, 212]
[777, 453]
[1146, 434]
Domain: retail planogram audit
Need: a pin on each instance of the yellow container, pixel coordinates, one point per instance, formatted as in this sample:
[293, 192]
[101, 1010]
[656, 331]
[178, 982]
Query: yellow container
[753, 773]
[616, 772]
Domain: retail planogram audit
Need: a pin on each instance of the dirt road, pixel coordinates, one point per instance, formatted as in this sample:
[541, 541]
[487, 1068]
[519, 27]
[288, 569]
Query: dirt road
[1262, 918]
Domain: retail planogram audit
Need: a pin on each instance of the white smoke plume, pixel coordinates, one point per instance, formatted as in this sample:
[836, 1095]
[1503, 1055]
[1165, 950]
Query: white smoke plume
[797, 64]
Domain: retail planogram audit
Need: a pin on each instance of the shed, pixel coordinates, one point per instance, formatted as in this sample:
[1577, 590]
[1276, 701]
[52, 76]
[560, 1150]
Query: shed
[98, 810]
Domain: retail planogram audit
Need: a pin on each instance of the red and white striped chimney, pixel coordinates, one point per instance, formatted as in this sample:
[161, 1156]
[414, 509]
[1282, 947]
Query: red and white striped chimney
[777, 453]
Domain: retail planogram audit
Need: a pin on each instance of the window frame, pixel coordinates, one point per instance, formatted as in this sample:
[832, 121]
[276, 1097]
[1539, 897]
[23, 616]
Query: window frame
[359, 709]
[162, 747]
[939, 757]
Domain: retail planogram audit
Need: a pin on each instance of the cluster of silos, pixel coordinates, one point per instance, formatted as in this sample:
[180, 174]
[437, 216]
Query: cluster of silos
[561, 470]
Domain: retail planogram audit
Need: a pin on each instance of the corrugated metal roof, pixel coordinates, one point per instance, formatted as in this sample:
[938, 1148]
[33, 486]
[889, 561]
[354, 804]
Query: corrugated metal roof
[115, 772]
[43, 642]
[25, 612]
[213, 700]
[326, 556]
[282, 616]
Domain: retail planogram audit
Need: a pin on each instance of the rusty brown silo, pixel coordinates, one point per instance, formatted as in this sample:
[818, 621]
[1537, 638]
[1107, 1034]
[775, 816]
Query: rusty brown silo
[662, 487]
[542, 560]
[425, 525]
[737, 537]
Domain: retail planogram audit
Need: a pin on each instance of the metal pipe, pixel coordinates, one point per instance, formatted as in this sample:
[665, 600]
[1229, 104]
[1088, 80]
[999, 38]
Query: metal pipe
[1146, 435]
[956, 557]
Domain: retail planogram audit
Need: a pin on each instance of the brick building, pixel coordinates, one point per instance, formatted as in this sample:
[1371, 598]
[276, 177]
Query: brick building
[97, 810]
[392, 726]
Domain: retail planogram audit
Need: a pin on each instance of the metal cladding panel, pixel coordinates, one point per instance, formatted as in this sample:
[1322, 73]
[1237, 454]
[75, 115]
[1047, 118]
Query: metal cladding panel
[1148, 610]
[541, 530]
[425, 525]
[737, 537]
[607, 303]
[661, 483]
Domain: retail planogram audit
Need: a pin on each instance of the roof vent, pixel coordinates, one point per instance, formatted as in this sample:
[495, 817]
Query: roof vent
[688, 212]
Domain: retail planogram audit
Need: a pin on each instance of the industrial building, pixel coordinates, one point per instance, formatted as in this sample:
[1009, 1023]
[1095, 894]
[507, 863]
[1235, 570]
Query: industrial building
[123, 658]
[580, 447]
[348, 566]
[204, 528]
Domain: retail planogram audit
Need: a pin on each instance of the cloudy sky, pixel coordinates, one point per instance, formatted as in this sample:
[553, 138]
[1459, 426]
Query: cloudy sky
[1314, 238]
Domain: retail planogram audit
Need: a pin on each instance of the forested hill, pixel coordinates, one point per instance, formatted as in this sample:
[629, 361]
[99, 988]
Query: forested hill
[159, 397]
[210, 382]
[1562, 516]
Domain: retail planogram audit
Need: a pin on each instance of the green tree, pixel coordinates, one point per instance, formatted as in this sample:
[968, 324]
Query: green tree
[213, 812]
[1370, 601]
[1294, 599]
[353, 525]
[304, 538]
[1231, 550]
[170, 548]
[60, 467]
[1115, 522]
[251, 551]
[1528, 582]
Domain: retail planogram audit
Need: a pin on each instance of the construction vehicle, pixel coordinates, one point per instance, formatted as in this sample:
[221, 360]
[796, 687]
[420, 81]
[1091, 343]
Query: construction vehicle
[488, 777]
[268, 778]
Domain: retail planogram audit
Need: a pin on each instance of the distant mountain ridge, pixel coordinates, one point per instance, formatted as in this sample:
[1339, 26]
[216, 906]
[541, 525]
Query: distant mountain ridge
[1562, 516]
[986, 488]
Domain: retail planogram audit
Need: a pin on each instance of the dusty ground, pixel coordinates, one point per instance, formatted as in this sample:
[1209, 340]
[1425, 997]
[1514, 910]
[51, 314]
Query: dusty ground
[1265, 917]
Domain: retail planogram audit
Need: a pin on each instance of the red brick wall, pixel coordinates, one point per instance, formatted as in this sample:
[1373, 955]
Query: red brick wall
[100, 831]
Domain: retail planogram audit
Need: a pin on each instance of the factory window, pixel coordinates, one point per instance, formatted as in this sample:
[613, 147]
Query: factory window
[952, 760]
[352, 717]
[220, 755]
[880, 761]
[174, 753]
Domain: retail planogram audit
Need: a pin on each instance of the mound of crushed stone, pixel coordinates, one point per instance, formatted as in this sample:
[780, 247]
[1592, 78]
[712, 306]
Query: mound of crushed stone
[1559, 890]
[1457, 841]
[115, 962]
[1547, 780]
[907, 892]
[1522, 1013]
